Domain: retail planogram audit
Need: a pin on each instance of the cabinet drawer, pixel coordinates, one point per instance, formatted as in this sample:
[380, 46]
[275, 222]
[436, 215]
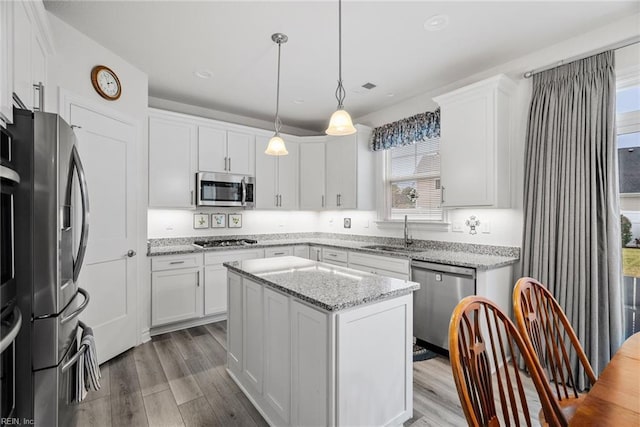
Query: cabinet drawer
[279, 251]
[379, 262]
[173, 262]
[234, 255]
[380, 272]
[334, 255]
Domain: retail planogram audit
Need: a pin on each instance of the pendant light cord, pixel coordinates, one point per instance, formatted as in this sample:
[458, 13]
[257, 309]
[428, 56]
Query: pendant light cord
[278, 123]
[340, 92]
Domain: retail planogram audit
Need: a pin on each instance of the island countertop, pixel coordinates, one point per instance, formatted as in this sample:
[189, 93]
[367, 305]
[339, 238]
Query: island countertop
[325, 286]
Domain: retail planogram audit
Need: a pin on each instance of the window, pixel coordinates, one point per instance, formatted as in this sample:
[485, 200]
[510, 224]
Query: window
[628, 144]
[413, 181]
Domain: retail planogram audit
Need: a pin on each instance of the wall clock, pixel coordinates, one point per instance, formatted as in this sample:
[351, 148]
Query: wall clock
[106, 82]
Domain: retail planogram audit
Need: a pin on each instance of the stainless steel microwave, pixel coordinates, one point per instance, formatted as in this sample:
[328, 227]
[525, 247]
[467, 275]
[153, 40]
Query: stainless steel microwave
[220, 189]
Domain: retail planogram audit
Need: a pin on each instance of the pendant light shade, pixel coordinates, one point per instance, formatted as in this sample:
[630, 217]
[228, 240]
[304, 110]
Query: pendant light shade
[276, 146]
[340, 122]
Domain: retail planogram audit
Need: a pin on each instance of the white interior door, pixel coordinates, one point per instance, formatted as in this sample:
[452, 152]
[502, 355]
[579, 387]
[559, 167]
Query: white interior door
[107, 150]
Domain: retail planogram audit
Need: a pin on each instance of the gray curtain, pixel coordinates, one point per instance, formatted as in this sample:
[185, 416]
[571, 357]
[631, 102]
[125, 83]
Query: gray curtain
[571, 238]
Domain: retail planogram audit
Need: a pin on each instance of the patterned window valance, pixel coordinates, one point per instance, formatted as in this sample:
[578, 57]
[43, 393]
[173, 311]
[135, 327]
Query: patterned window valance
[407, 131]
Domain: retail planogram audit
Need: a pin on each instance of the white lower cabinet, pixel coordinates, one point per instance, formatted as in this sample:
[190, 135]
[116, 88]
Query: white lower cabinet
[176, 295]
[234, 324]
[315, 253]
[309, 366]
[277, 355]
[252, 334]
[215, 277]
[301, 251]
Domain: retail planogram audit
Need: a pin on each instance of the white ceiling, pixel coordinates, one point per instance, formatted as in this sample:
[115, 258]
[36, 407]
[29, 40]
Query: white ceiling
[384, 42]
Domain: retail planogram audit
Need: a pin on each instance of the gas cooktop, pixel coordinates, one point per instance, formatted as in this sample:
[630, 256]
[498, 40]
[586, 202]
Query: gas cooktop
[223, 243]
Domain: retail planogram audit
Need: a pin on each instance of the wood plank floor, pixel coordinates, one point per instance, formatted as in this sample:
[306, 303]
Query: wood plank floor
[179, 379]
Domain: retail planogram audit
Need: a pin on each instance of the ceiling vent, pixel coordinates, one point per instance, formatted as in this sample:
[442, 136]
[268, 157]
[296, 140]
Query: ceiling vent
[368, 85]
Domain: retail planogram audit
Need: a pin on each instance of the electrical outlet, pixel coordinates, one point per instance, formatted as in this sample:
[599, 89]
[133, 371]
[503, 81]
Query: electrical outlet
[365, 223]
[456, 227]
[485, 227]
[347, 222]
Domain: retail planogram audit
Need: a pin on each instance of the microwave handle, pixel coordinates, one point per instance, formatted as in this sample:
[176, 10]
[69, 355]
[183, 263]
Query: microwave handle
[244, 192]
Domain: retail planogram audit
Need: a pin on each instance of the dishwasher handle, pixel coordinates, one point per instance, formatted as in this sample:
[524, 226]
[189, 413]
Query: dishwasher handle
[444, 268]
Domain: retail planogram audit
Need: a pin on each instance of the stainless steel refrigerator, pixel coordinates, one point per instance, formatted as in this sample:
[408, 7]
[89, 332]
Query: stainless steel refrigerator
[49, 256]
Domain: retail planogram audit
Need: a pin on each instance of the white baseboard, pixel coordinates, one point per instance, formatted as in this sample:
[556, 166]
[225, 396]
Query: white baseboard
[145, 336]
[186, 324]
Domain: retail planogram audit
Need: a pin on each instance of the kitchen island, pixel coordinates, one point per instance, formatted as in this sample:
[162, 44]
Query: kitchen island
[311, 343]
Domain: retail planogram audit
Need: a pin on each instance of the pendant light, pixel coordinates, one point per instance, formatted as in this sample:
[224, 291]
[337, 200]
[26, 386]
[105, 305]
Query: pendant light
[276, 145]
[340, 122]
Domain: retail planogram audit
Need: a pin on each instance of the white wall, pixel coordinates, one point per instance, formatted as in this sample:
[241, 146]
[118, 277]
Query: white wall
[179, 107]
[69, 69]
[179, 222]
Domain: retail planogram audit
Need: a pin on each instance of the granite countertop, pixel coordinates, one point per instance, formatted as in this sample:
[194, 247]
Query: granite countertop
[475, 256]
[323, 285]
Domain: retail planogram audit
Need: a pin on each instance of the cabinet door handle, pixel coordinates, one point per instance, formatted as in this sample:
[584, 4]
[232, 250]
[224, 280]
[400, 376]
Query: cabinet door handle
[280, 196]
[229, 164]
[441, 194]
[176, 262]
[39, 90]
[192, 197]
[333, 255]
[278, 253]
[323, 200]
[276, 200]
[198, 279]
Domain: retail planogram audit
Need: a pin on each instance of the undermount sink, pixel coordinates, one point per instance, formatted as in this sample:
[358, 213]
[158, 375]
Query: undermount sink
[393, 248]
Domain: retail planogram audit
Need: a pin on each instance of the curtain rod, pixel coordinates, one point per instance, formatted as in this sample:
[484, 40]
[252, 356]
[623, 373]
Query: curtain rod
[614, 46]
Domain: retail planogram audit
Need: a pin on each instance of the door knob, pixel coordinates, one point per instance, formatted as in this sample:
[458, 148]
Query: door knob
[131, 253]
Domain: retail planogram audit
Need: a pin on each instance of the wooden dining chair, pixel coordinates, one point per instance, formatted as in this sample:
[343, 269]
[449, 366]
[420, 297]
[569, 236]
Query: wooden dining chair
[550, 338]
[482, 339]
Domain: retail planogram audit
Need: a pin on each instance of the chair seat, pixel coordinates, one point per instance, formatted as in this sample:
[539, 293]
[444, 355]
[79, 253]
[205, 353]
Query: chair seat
[568, 407]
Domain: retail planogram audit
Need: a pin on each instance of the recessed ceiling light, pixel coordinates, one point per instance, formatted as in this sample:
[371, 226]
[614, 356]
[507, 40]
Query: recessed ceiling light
[203, 73]
[436, 22]
[298, 101]
[391, 95]
[368, 85]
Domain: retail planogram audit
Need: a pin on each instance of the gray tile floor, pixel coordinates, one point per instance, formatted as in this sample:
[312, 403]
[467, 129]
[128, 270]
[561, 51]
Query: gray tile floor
[179, 379]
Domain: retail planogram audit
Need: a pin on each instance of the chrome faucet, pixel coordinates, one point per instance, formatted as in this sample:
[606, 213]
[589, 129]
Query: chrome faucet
[407, 240]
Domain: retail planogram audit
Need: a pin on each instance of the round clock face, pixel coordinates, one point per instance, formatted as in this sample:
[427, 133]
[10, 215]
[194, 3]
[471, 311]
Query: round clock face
[105, 82]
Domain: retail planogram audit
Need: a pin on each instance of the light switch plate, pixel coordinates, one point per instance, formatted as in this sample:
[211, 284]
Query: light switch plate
[456, 227]
[485, 227]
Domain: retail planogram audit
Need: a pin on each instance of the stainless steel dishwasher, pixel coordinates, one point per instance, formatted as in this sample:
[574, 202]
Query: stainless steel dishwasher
[441, 288]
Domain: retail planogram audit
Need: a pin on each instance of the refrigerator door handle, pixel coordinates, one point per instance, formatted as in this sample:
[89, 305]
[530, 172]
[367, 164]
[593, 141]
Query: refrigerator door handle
[11, 335]
[78, 310]
[84, 195]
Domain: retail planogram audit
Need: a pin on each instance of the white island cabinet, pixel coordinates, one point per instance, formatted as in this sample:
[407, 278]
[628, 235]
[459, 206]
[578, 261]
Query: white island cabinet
[307, 350]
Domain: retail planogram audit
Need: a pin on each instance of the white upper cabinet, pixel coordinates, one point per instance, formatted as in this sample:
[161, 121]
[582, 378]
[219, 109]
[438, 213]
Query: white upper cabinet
[474, 144]
[172, 163]
[225, 151]
[30, 47]
[350, 173]
[312, 174]
[22, 84]
[276, 177]
[212, 149]
[6, 61]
